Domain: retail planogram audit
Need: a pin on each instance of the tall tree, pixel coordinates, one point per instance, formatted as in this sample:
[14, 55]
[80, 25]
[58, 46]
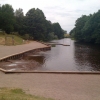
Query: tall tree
[35, 22]
[58, 30]
[0, 17]
[20, 20]
[87, 28]
[7, 16]
[19, 12]
[80, 23]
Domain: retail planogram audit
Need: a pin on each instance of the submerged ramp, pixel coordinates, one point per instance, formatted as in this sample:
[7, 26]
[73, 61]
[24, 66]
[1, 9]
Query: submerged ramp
[10, 51]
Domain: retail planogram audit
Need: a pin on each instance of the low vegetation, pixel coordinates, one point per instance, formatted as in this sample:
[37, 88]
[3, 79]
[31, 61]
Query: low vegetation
[66, 35]
[18, 94]
[17, 39]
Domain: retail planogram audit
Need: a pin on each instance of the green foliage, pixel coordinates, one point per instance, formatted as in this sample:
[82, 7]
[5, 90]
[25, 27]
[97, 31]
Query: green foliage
[66, 35]
[52, 36]
[34, 23]
[17, 91]
[58, 30]
[55, 37]
[26, 36]
[87, 28]
[19, 25]
[19, 13]
[7, 18]
[17, 39]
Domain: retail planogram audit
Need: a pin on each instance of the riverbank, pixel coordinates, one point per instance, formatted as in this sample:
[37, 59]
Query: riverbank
[57, 86]
[6, 51]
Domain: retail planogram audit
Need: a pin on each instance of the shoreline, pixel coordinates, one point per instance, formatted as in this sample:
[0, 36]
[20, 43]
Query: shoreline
[12, 51]
[20, 51]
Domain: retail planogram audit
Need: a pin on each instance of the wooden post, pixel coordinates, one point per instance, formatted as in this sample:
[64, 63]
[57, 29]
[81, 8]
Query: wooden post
[5, 40]
[12, 40]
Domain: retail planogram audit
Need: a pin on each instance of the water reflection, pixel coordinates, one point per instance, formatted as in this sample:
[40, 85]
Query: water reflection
[87, 57]
[22, 65]
[38, 58]
[76, 57]
[60, 58]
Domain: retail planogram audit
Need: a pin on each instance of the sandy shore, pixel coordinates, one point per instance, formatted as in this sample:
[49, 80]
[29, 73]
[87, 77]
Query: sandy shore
[57, 86]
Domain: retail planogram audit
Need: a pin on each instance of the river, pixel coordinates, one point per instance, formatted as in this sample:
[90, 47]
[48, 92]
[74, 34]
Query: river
[76, 57]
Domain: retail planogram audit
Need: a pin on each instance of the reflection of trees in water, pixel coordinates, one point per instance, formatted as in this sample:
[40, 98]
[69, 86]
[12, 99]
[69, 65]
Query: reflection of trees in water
[30, 61]
[87, 56]
[37, 58]
[20, 65]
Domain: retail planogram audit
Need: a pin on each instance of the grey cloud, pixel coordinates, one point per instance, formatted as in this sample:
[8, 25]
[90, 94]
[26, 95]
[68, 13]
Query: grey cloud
[54, 7]
[78, 10]
[3, 1]
[58, 11]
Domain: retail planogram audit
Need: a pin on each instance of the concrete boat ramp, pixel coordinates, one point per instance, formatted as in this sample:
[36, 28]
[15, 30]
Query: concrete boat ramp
[55, 43]
[56, 85]
[8, 51]
[12, 52]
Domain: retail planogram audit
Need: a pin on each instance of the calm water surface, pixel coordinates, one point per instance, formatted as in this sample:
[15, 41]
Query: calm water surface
[76, 57]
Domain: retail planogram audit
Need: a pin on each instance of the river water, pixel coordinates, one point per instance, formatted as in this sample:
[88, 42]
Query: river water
[76, 57]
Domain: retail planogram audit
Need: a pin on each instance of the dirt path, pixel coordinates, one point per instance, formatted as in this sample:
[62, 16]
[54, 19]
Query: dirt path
[57, 86]
[9, 50]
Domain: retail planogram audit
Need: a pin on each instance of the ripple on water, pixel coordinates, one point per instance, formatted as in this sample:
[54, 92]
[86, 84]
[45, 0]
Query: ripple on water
[11, 65]
[76, 57]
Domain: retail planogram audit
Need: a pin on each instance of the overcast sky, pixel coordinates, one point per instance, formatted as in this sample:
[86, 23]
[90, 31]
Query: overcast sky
[63, 11]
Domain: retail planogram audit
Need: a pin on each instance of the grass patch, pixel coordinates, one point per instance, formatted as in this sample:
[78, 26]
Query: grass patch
[17, 40]
[18, 94]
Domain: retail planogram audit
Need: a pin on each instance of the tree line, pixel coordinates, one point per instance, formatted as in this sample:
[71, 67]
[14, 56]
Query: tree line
[87, 28]
[33, 25]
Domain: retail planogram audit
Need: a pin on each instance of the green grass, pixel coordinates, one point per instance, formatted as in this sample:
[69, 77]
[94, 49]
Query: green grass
[17, 39]
[18, 94]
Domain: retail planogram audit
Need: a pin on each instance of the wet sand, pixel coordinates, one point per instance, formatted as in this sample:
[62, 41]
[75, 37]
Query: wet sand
[57, 86]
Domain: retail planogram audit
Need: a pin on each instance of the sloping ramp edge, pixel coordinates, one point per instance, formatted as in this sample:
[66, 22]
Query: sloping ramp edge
[51, 72]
